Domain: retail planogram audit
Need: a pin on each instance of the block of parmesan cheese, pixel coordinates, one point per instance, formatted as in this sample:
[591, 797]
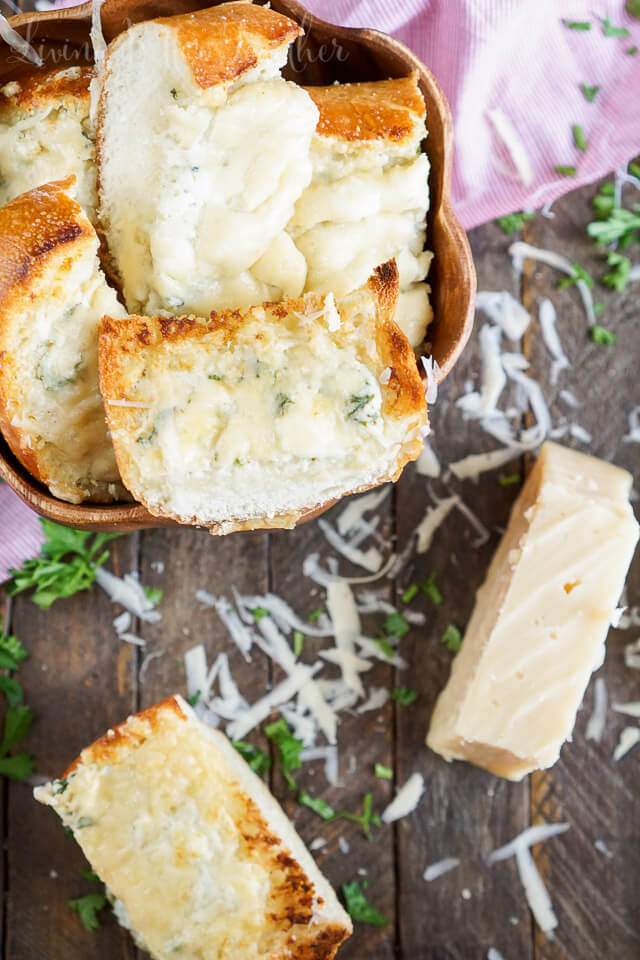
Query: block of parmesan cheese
[199, 860]
[540, 620]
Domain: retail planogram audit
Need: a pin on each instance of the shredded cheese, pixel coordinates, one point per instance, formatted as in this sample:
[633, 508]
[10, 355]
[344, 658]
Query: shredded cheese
[632, 709]
[427, 464]
[370, 559]
[129, 593]
[17, 42]
[633, 436]
[432, 519]
[377, 699]
[281, 693]
[438, 869]
[547, 318]
[511, 139]
[406, 800]
[503, 309]
[353, 513]
[521, 251]
[629, 737]
[598, 719]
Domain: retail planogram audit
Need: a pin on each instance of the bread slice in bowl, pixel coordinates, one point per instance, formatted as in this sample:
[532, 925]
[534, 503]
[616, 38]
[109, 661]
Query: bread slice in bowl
[198, 858]
[45, 135]
[52, 296]
[369, 196]
[203, 150]
[257, 419]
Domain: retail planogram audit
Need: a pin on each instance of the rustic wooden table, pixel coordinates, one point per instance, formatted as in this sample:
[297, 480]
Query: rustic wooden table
[80, 679]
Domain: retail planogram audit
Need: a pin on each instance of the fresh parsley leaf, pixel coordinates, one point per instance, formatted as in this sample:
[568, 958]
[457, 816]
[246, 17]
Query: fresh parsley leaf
[602, 336]
[357, 404]
[598, 308]
[395, 625]
[384, 773]
[410, 593]
[154, 594]
[359, 908]
[429, 587]
[632, 51]
[317, 804]
[634, 169]
[88, 908]
[366, 818]
[565, 171]
[12, 653]
[17, 767]
[579, 273]
[193, 699]
[385, 646]
[257, 759]
[508, 479]
[315, 614]
[577, 24]
[91, 876]
[514, 222]
[620, 225]
[589, 93]
[12, 690]
[259, 613]
[61, 785]
[618, 277]
[404, 696]
[67, 564]
[288, 745]
[298, 643]
[282, 402]
[633, 8]
[610, 31]
[452, 638]
[579, 138]
[17, 724]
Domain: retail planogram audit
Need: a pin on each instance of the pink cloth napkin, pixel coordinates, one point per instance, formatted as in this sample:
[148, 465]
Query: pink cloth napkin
[511, 56]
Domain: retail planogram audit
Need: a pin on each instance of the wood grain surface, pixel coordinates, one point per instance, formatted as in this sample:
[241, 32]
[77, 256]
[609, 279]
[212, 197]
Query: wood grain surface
[80, 679]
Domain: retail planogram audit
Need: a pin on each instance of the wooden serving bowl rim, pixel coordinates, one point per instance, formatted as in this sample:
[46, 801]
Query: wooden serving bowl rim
[442, 221]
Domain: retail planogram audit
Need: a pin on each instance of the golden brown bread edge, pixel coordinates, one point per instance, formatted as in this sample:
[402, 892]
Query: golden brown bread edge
[34, 227]
[295, 892]
[40, 88]
[403, 394]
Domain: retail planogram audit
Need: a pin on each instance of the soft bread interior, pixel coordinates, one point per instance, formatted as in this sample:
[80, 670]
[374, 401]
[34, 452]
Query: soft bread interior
[50, 404]
[44, 134]
[198, 183]
[254, 420]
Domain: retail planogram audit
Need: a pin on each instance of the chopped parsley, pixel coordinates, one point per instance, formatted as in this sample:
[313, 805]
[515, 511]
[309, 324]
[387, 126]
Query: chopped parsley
[366, 818]
[602, 336]
[258, 760]
[298, 643]
[410, 593]
[315, 614]
[174, 93]
[289, 748]
[631, 51]
[283, 401]
[429, 587]
[154, 594]
[405, 696]
[88, 908]
[18, 718]
[384, 773]
[61, 785]
[452, 638]
[620, 225]
[67, 564]
[91, 876]
[193, 699]
[385, 646]
[259, 613]
[514, 222]
[357, 404]
[577, 24]
[618, 277]
[579, 273]
[603, 202]
[508, 479]
[589, 93]
[395, 625]
[579, 138]
[214, 376]
[565, 171]
[359, 908]
[317, 804]
[610, 31]
[12, 653]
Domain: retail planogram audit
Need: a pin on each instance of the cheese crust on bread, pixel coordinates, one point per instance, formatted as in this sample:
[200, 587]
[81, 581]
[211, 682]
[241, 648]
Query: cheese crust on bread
[45, 135]
[198, 857]
[369, 196]
[256, 419]
[52, 296]
[203, 150]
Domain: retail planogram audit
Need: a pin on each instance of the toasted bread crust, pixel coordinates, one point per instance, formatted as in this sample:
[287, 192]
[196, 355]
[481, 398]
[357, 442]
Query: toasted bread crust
[294, 899]
[39, 89]
[388, 110]
[121, 342]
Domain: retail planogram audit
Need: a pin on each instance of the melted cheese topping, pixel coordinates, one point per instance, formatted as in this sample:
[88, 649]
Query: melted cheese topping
[198, 185]
[45, 144]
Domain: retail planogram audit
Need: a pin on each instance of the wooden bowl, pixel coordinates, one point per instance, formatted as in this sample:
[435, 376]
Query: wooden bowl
[324, 54]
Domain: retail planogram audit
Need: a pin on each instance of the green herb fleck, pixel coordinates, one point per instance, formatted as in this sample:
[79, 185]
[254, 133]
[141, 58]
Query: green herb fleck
[577, 24]
[405, 696]
[315, 614]
[366, 819]
[598, 308]
[259, 613]
[610, 31]
[579, 273]
[283, 401]
[359, 908]
[620, 225]
[289, 747]
[602, 336]
[508, 479]
[298, 643]
[145, 440]
[153, 594]
[395, 625]
[60, 785]
[429, 587]
[632, 51]
[618, 277]
[317, 804]
[634, 169]
[633, 8]
[356, 404]
[174, 93]
[384, 773]
[91, 876]
[409, 593]
[257, 759]
[579, 138]
[514, 222]
[452, 638]
[193, 699]
[565, 171]
[88, 908]
[385, 646]
[214, 376]
[589, 93]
